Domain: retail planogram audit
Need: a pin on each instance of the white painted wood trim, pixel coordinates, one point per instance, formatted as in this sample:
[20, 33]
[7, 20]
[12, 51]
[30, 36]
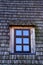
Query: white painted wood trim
[32, 40]
[11, 40]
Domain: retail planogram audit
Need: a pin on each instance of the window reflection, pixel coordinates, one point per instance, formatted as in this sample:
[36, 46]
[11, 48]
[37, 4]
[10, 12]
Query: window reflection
[18, 48]
[18, 32]
[18, 40]
[25, 40]
[25, 48]
[25, 32]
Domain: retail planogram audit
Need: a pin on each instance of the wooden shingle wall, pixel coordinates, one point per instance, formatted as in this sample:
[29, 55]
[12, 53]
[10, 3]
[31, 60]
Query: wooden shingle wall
[20, 12]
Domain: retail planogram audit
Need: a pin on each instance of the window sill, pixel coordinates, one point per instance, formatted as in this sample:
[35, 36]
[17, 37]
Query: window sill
[22, 53]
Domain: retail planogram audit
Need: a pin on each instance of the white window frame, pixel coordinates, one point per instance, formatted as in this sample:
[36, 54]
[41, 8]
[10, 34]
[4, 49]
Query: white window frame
[32, 33]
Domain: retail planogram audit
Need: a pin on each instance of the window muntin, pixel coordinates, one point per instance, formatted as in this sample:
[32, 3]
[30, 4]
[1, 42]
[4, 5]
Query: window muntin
[22, 41]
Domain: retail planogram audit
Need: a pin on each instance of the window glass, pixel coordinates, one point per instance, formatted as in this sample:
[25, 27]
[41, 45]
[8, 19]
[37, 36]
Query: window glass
[25, 40]
[18, 48]
[26, 32]
[19, 32]
[18, 40]
[25, 48]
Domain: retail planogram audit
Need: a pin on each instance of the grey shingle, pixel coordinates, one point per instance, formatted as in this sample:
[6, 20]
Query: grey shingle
[20, 12]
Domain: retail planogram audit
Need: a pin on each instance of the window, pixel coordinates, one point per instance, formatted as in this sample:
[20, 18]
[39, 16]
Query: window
[22, 39]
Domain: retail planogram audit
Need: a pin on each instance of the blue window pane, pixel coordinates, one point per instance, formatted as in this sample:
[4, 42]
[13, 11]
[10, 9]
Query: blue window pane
[26, 40]
[25, 48]
[26, 32]
[18, 48]
[19, 32]
[18, 40]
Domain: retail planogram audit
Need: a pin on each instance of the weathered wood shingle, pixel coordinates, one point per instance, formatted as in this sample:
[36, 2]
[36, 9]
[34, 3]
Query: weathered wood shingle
[20, 12]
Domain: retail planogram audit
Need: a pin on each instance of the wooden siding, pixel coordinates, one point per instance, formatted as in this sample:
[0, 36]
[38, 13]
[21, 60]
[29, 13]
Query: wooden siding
[19, 12]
